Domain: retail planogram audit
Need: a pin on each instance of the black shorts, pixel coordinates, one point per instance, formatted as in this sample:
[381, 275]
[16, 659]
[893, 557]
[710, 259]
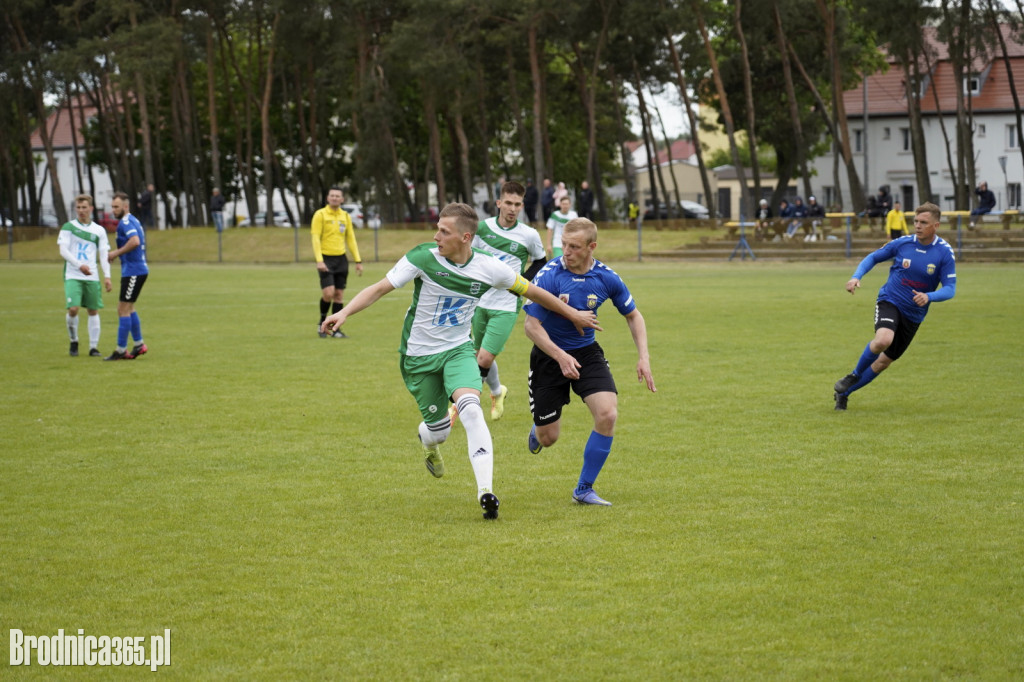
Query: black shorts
[888, 316]
[131, 287]
[337, 272]
[549, 389]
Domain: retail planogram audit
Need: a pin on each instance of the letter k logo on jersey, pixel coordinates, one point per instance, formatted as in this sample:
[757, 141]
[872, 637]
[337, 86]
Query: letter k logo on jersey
[451, 312]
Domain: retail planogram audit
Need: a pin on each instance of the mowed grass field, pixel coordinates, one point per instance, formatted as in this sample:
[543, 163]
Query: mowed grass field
[261, 491]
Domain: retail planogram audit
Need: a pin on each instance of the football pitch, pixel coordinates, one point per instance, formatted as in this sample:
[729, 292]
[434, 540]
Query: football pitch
[260, 491]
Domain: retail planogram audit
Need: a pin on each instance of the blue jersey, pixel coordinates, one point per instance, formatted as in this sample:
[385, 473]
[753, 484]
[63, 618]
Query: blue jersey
[583, 292]
[915, 267]
[134, 262]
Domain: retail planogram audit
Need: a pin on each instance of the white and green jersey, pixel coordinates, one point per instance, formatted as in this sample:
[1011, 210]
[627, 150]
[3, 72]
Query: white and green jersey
[557, 223]
[445, 296]
[80, 245]
[515, 246]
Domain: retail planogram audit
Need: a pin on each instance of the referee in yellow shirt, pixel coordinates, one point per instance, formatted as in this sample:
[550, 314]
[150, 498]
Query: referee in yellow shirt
[896, 222]
[332, 236]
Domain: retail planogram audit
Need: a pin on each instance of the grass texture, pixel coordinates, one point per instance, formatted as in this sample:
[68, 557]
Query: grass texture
[261, 491]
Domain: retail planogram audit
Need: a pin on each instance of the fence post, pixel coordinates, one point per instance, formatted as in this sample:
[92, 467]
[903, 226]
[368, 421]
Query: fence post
[849, 236]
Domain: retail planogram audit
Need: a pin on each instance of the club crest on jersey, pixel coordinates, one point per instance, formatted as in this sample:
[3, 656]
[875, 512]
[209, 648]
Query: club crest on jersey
[513, 247]
[906, 263]
[931, 268]
[591, 301]
[564, 298]
[474, 288]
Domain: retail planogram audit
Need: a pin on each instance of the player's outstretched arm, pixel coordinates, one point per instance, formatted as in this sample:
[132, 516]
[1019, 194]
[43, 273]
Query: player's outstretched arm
[535, 332]
[638, 328]
[581, 319]
[364, 299]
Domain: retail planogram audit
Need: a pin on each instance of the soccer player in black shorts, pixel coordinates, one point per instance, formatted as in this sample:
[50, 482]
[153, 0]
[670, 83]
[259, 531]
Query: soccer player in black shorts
[563, 359]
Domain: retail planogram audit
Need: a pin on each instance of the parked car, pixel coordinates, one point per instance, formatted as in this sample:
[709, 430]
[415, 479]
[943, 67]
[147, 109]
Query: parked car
[106, 220]
[49, 220]
[259, 220]
[356, 212]
[686, 209]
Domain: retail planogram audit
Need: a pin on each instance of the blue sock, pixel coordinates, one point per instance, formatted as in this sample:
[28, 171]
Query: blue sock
[865, 378]
[136, 328]
[594, 455]
[124, 325]
[866, 360]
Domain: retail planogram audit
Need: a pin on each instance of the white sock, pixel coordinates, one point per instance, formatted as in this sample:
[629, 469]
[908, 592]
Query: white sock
[72, 328]
[478, 438]
[432, 434]
[492, 379]
[94, 331]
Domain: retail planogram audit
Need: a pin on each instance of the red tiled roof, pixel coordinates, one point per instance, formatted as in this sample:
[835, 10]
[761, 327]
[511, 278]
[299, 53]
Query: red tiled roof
[59, 124]
[887, 93]
[681, 149]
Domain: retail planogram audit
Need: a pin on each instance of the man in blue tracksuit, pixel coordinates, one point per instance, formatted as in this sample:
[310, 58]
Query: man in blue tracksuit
[923, 271]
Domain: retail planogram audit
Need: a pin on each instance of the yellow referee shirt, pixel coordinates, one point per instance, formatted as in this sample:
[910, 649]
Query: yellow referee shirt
[332, 233]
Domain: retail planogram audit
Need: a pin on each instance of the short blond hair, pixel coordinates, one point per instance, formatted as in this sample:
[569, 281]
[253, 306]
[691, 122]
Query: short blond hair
[87, 198]
[584, 225]
[465, 216]
[929, 207]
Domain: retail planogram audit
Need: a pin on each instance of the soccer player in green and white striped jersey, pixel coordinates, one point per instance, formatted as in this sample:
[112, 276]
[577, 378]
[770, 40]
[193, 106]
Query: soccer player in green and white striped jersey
[437, 359]
[516, 244]
[81, 241]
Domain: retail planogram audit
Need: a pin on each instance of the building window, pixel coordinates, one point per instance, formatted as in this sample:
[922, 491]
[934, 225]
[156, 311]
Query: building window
[828, 194]
[1013, 195]
[1011, 136]
[905, 139]
[858, 140]
[885, 133]
[972, 85]
[981, 130]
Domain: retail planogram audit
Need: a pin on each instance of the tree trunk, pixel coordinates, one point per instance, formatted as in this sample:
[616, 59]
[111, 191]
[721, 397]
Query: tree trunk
[435, 150]
[794, 111]
[748, 94]
[747, 207]
[460, 134]
[140, 91]
[912, 78]
[267, 135]
[538, 96]
[839, 107]
[211, 99]
[709, 198]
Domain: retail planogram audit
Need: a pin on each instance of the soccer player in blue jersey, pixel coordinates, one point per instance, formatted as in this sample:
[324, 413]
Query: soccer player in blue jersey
[562, 359]
[131, 249]
[923, 271]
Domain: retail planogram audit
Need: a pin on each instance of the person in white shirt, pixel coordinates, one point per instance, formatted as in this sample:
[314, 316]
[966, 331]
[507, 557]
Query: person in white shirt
[81, 241]
[556, 223]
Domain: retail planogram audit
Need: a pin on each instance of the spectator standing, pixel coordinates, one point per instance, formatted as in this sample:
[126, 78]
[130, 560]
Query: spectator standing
[556, 222]
[333, 236]
[217, 202]
[146, 206]
[986, 202]
[80, 242]
[530, 200]
[562, 359]
[560, 191]
[896, 222]
[131, 249]
[922, 271]
[585, 201]
[547, 200]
